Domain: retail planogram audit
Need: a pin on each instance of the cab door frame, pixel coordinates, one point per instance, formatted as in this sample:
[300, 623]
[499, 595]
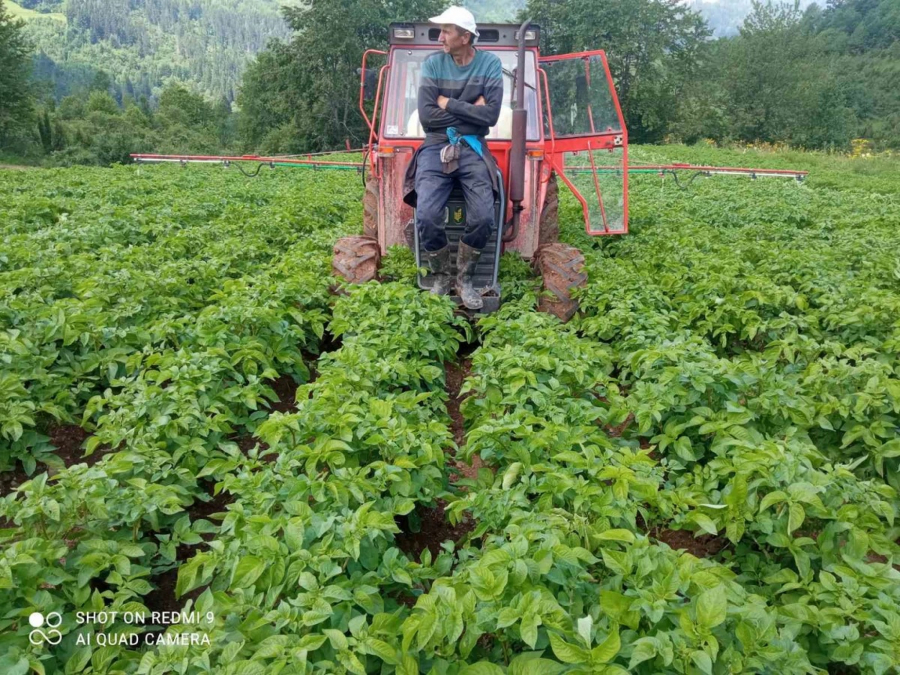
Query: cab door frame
[592, 140]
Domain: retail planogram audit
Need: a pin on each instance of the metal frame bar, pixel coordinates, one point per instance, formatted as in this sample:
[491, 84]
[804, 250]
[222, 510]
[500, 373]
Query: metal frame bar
[373, 164]
[362, 85]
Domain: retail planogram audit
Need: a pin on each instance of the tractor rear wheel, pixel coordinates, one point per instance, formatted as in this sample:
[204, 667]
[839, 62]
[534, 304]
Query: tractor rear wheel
[548, 232]
[561, 268]
[370, 207]
[356, 259]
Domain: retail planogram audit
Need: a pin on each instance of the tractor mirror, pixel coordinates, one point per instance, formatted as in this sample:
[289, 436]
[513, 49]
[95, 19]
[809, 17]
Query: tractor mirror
[369, 82]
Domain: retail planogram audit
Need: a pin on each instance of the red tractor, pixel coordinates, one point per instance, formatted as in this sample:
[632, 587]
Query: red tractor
[560, 120]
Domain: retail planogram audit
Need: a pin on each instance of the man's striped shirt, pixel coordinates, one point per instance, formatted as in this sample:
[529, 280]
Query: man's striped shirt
[441, 76]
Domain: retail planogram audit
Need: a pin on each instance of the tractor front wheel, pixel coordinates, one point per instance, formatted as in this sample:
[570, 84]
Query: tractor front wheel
[356, 259]
[561, 268]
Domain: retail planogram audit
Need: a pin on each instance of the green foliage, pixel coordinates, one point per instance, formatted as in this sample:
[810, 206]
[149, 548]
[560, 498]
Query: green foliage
[730, 387]
[94, 129]
[805, 104]
[16, 102]
[304, 95]
[653, 47]
[146, 45]
[835, 89]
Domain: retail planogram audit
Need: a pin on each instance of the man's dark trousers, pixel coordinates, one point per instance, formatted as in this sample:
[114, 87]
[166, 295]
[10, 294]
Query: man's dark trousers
[433, 188]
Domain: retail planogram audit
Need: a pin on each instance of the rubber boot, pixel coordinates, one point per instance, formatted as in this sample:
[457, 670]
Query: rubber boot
[466, 261]
[439, 264]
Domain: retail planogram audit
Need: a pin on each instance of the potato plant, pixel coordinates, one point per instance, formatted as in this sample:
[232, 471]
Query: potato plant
[698, 474]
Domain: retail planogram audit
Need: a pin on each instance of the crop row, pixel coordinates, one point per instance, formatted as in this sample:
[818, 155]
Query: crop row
[97, 285]
[168, 365]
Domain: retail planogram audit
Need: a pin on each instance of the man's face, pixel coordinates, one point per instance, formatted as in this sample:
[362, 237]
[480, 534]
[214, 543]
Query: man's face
[452, 39]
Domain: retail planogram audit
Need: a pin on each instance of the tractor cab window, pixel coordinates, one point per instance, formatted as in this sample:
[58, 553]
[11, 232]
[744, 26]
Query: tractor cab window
[581, 99]
[402, 96]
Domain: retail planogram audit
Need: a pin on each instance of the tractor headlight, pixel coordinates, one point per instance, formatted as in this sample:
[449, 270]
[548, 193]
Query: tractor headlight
[529, 35]
[404, 33]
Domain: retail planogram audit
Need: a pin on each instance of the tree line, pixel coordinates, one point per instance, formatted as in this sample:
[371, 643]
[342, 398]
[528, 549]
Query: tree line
[815, 78]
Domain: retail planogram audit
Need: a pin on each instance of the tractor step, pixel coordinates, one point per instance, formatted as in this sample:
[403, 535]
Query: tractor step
[485, 279]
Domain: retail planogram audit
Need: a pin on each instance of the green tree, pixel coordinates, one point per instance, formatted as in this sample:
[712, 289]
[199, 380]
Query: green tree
[781, 83]
[16, 98]
[653, 47]
[303, 96]
[101, 82]
[186, 122]
[100, 101]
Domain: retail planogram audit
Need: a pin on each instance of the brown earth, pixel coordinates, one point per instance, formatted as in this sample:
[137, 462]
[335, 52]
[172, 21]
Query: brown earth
[435, 530]
[217, 504]
[246, 442]
[878, 558]
[616, 431]
[704, 546]
[10, 481]
[162, 598]
[286, 389]
[456, 374]
[68, 440]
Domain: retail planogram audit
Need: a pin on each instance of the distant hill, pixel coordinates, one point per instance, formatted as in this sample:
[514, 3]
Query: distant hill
[143, 44]
[726, 16]
[723, 16]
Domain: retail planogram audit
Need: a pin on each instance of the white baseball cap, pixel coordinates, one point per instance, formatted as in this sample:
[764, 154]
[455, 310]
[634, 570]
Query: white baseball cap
[458, 16]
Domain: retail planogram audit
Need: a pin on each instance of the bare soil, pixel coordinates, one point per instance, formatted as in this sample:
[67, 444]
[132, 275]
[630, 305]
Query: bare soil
[435, 530]
[11, 480]
[246, 442]
[69, 441]
[203, 510]
[162, 598]
[704, 546]
[456, 373]
[616, 431]
[286, 389]
[878, 558]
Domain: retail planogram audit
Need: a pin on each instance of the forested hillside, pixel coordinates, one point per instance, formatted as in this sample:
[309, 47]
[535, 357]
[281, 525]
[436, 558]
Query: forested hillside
[812, 77]
[143, 44]
[726, 16]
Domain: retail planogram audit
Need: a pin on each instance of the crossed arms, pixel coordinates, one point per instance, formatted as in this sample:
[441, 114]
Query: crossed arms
[439, 112]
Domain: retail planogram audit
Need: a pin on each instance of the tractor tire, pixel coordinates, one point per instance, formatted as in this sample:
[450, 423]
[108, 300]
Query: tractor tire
[561, 268]
[548, 231]
[370, 207]
[356, 259]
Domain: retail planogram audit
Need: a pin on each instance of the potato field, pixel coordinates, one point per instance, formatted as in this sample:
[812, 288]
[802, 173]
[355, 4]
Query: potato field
[214, 459]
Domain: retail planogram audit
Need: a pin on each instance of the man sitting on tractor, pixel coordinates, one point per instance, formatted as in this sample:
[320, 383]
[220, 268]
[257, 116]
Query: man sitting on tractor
[460, 96]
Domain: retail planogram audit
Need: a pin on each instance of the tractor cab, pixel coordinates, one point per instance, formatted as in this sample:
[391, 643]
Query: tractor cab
[560, 120]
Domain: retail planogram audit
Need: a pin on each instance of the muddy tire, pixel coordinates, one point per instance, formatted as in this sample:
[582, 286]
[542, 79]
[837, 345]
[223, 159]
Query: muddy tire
[548, 233]
[370, 207]
[561, 268]
[356, 259]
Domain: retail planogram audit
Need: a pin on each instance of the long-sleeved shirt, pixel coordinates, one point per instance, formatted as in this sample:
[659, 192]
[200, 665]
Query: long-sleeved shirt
[441, 76]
